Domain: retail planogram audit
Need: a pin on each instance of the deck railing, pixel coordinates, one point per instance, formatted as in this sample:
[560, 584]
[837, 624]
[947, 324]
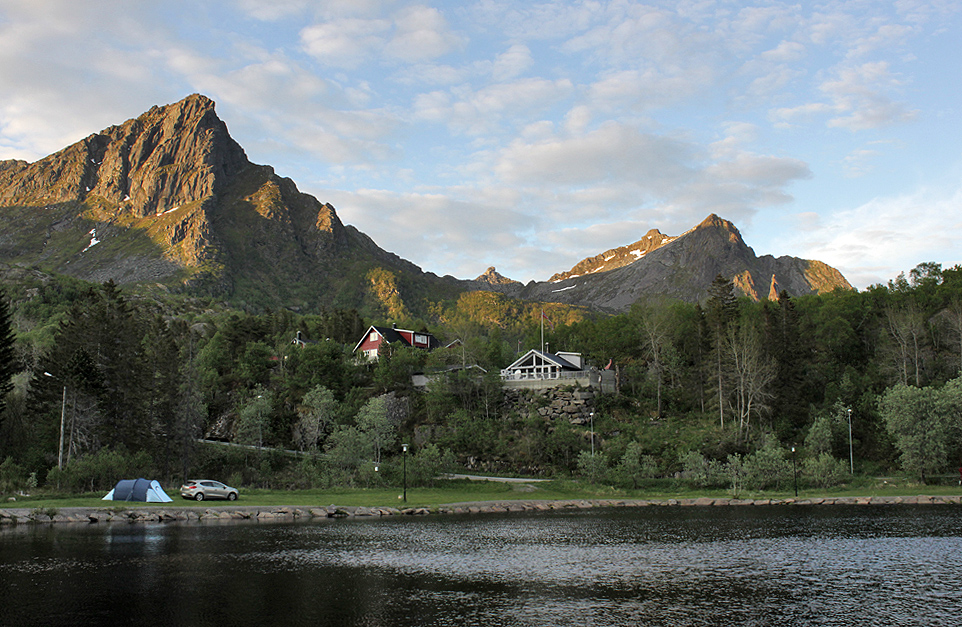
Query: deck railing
[543, 376]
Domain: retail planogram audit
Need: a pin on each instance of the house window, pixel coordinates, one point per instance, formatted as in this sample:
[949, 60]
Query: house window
[420, 339]
[374, 336]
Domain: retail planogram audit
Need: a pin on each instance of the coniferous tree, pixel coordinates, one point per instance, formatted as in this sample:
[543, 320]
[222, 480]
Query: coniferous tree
[8, 365]
[785, 345]
[719, 314]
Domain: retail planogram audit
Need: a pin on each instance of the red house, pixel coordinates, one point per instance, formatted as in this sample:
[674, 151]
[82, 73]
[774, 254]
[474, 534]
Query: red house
[375, 337]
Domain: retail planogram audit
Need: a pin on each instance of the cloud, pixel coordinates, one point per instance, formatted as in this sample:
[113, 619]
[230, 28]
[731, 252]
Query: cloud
[875, 241]
[857, 100]
[484, 110]
[648, 168]
[435, 229]
[346, 43]
[857, 94]
[273, 10]
[62, 79]
[858, 162]
[785, 51]
[421, 33]
[511, 63]
[614, 151]
[648, 89]
[413, 34]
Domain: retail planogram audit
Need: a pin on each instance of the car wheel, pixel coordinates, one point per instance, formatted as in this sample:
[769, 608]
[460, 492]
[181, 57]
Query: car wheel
[232, 496]
[199, 496]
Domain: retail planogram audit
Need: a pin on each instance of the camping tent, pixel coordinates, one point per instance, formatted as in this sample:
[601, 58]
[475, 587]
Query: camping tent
[138, 490]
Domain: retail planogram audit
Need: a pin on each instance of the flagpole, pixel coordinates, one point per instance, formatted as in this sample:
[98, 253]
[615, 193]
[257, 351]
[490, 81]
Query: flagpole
[542, 330]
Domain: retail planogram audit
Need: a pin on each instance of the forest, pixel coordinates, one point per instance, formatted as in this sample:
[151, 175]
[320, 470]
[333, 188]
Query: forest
[98, 383]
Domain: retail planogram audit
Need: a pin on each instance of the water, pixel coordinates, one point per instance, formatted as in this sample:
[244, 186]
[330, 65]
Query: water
[838, 565]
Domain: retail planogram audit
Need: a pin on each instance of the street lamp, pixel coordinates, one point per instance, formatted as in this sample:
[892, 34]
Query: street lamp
[404, 466]
[794, 472]
[851, 457]
[63, 414]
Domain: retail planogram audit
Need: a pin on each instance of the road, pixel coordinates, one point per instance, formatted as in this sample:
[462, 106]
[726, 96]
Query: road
[497, 479]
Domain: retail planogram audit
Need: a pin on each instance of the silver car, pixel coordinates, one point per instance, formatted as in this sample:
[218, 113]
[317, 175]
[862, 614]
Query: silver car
[200, 489]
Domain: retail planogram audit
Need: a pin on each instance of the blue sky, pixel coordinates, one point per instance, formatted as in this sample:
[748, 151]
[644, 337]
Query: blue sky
[529, 135]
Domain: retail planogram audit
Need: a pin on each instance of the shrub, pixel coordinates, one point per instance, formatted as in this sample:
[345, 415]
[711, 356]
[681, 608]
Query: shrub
[699, 472]
[635, 467]
[12, 477]
[428, 464]
[594, 468]
[101, 470]
[767, 468]
[825, 471]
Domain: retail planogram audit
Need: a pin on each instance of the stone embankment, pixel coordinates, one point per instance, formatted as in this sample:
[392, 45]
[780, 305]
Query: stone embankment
[148, 514]
[554, 403]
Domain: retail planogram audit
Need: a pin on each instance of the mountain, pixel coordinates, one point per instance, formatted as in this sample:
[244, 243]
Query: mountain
[679, 267]
[616, 257]
[170, 200]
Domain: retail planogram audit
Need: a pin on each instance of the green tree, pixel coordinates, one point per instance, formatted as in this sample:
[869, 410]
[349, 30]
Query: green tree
[348, 450]
[594, 468]
[792, 358]
[316, 414]
[719, 314]
[253, 419]
[190, 411]
[635, 466]
[908, 342]
[8, 364]
[751, 372]
[656, 324]
[922, 422]
[378, 420]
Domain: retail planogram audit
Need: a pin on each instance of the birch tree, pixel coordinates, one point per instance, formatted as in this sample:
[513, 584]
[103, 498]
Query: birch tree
[656, 336]
[752, 371]
[315, 416]
[922, 422]
[907, 331]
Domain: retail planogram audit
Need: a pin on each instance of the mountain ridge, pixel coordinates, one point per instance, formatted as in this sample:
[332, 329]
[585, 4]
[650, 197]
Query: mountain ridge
[170, 198]
[681, 267]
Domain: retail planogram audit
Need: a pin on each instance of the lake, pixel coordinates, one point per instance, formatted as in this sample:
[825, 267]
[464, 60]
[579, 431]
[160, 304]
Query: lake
[801, 565]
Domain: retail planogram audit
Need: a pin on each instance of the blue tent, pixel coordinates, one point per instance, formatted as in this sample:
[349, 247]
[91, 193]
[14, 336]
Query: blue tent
[138, 490]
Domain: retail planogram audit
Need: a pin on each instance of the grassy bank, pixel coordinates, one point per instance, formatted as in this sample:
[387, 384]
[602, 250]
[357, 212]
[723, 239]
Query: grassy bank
[459, 491]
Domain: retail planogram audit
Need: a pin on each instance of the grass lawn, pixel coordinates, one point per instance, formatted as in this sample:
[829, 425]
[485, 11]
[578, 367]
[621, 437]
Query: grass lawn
[459, 491]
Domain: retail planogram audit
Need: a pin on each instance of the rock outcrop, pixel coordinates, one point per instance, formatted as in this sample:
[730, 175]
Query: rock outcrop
[616, 257]
[167, 157]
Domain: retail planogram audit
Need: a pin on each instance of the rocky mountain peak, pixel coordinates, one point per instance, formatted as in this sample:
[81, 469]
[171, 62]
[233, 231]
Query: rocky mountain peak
[167, 157]
[715, 221]
[616, 257]
[492, 277]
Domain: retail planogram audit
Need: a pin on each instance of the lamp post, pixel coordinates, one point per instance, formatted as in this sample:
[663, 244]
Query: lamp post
[851, 457]
[63, 414]
[794, 472]
[404, 472]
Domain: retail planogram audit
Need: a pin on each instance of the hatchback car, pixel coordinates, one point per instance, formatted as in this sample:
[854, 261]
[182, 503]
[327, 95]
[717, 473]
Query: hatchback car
[200, 489]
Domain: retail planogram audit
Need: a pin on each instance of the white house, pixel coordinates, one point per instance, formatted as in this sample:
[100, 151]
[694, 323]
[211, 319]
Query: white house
[539, 365]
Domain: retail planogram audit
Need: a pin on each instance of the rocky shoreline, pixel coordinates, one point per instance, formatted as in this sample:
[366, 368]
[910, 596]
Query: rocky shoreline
[233, 512]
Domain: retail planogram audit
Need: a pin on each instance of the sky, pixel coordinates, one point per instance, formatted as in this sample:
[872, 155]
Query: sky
[529, 135]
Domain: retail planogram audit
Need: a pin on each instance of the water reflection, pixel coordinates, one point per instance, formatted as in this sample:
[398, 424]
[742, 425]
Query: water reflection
[659, 566]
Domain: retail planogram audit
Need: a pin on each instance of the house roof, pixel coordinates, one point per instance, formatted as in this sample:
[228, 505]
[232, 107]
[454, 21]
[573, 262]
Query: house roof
[528, 357]
[392, 335]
